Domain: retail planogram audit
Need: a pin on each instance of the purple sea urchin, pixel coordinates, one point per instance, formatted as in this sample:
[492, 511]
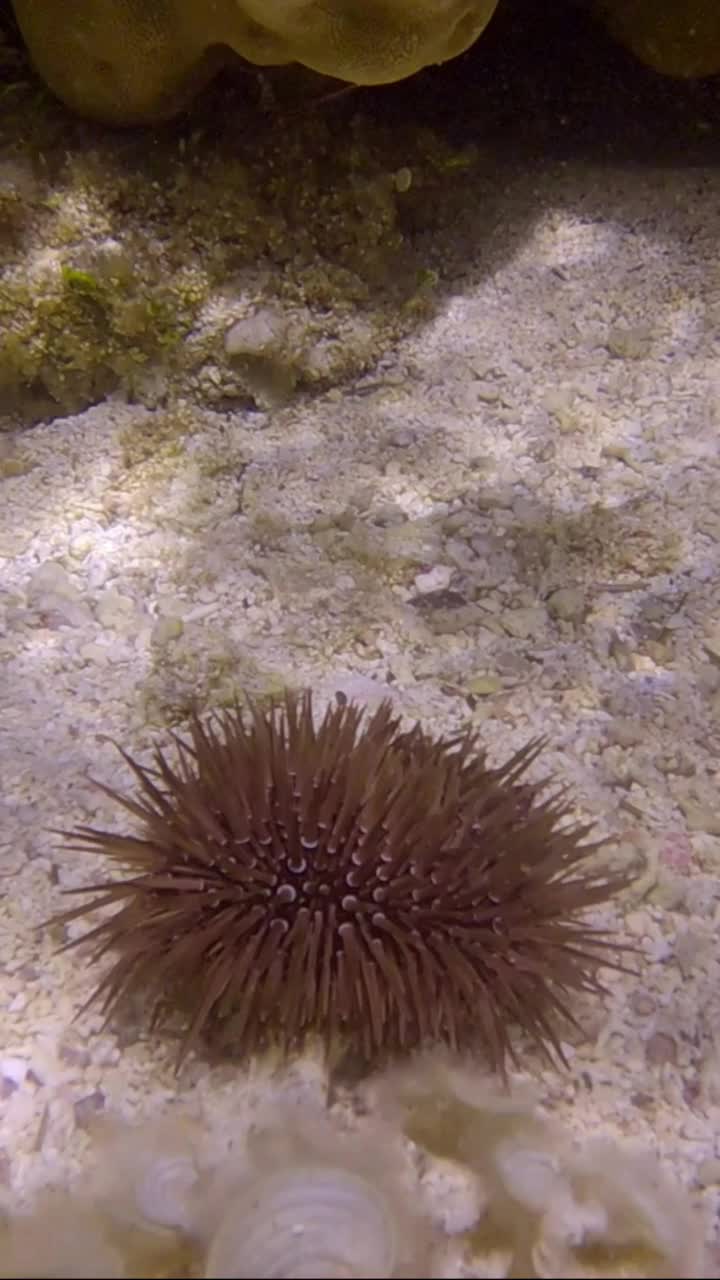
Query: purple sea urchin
[381, 890]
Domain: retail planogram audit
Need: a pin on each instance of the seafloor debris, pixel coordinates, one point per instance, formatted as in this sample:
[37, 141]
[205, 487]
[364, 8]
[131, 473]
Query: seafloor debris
[309, 1192]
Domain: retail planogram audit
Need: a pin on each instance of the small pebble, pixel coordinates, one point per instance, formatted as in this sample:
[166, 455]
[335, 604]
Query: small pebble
[500, 496]
[523, 623]
[631, 343]
[51, 579]
[701, 817]
[264, 330]
[708, 1173]
[165, 630]
[712, 646]
[660, 1050]
[73, 1055]
[484, 686]
[401, 438]
[115, 610]
[88, 1108]
[13, 1070]
[642, 1003]
[623, 732]
[436, 579]
[567, 604]
[638, 923]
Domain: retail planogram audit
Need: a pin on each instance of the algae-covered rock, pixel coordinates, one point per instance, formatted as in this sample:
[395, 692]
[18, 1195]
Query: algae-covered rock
[125, 61]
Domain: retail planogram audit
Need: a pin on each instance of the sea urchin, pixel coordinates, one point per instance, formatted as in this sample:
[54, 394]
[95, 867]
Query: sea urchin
[377, 889]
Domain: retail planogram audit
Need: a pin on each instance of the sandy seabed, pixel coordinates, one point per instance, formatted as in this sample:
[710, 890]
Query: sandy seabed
[509, 518]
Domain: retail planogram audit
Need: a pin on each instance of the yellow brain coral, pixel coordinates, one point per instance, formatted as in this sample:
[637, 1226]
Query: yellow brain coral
[675, 37]
[127, 61]
[132, 60]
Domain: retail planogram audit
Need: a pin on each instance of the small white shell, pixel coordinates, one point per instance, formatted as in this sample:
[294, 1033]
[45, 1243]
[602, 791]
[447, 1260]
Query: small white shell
[148, 1176]
[529, 1174]
[313, 1221]
[164, 1191]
